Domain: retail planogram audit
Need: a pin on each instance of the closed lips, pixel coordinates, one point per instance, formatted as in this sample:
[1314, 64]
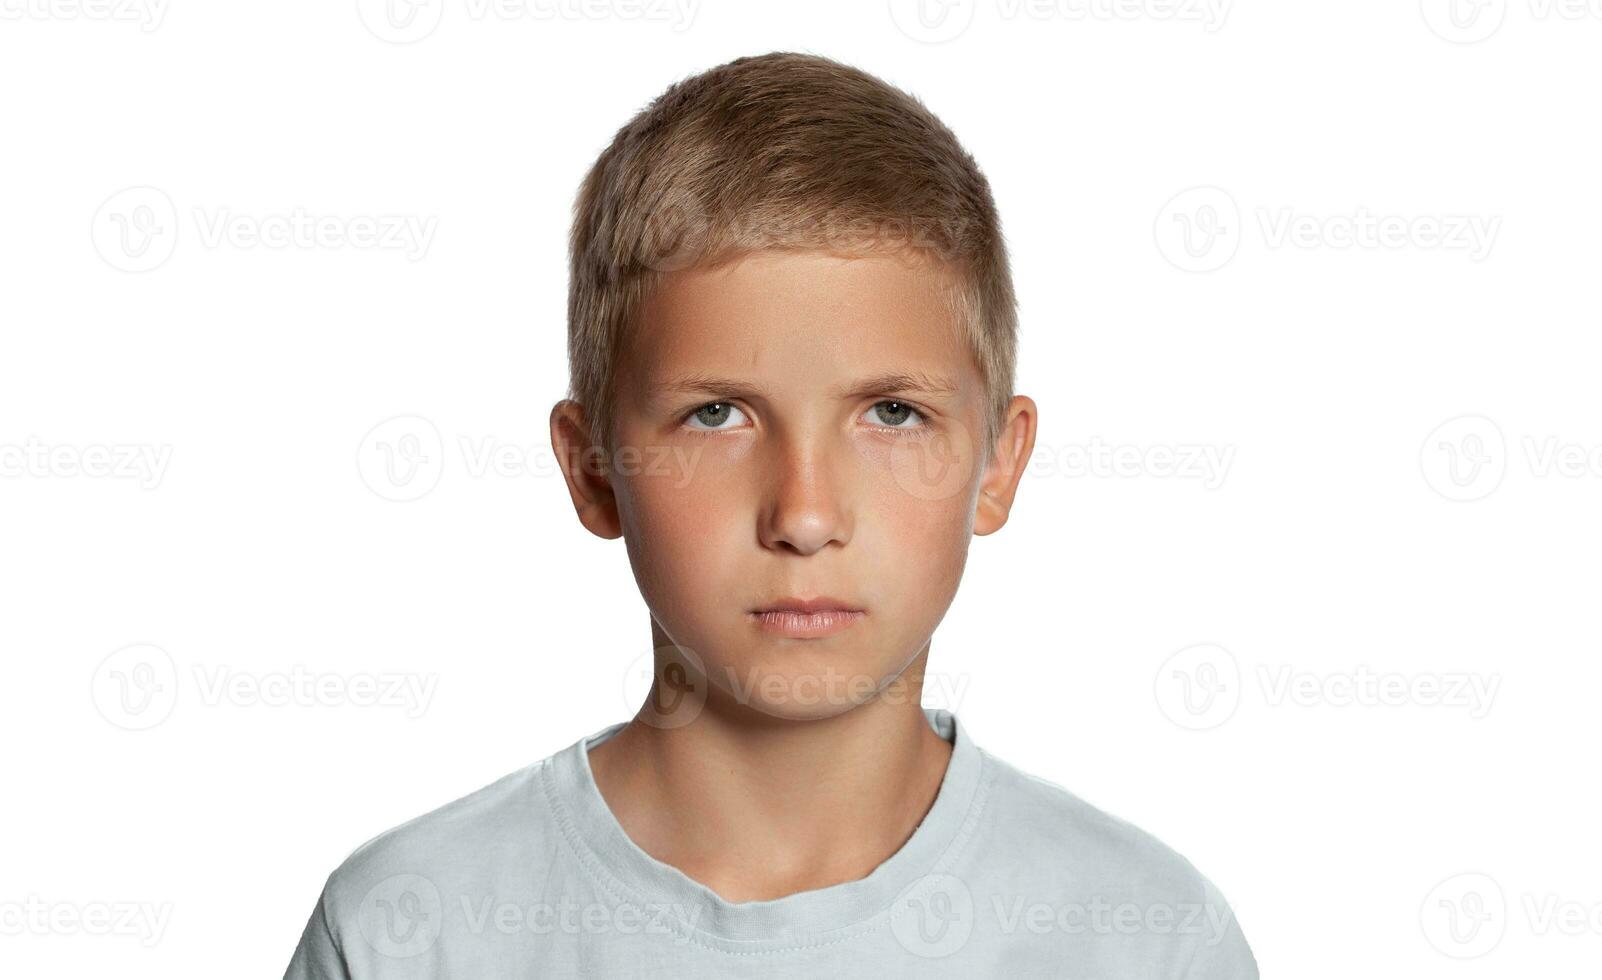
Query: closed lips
[806, 619]
[820, 604]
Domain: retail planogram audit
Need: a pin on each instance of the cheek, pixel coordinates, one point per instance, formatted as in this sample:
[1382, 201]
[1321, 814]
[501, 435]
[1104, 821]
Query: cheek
[925, 487]
[690, 519]
[915, 532]
[921, 545]
[682, 520]
[940, 469]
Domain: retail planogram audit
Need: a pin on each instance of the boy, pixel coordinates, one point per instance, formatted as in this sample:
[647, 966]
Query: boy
[792, 334]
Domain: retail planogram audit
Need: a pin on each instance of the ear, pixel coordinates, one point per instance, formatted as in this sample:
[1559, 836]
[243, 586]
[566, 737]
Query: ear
[1014, 446]
[585, 467]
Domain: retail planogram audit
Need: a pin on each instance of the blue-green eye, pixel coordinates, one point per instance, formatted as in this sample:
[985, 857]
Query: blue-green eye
[713, 416]
[894, 414]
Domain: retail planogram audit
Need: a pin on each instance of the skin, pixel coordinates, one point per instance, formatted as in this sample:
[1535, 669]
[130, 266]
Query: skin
[763, 765]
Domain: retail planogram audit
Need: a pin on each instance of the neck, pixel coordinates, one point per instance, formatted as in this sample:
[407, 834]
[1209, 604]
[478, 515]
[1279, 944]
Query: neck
[756, 807]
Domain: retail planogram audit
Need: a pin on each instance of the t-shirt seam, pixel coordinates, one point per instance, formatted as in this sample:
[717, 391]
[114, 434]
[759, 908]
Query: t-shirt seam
[328, 930]
[970, 824]
[620, 891]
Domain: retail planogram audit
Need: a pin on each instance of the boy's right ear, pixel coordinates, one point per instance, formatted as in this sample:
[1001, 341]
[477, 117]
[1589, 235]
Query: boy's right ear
[586, 469]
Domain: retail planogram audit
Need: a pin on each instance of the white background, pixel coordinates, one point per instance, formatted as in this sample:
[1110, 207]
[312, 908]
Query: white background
[1349, 540]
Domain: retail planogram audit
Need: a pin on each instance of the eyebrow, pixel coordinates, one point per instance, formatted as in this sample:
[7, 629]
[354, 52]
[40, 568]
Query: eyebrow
[893, 382]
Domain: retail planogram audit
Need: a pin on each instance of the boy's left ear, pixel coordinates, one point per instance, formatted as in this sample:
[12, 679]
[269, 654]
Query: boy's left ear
[1014, 445]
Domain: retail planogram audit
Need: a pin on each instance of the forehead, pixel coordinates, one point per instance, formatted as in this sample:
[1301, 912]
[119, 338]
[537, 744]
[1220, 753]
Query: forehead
[802, 315]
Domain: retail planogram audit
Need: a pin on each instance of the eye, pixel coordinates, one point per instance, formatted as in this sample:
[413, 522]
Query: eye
[894, 415]
[712, 417]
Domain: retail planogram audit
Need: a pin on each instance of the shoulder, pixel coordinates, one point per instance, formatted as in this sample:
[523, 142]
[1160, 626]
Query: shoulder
[1109, 871]
[1051, 821]
[464, 840]
[388, 898]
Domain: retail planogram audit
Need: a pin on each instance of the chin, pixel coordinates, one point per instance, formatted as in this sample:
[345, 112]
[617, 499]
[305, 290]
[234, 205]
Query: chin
[801, 681]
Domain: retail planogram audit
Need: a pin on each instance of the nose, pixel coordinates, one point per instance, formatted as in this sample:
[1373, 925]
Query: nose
[806, 509]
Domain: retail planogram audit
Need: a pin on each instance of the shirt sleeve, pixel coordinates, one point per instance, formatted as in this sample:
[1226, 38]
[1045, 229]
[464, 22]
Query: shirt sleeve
[1221, 952]
[318, 956]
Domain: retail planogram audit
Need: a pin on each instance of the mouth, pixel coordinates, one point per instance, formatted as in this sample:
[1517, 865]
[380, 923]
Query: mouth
[806, 618]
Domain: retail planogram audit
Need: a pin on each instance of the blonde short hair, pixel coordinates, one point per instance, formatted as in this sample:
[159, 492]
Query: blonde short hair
[780, 150]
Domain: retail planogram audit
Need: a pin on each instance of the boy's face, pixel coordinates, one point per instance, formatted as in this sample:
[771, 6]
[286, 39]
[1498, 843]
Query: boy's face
[808, 426]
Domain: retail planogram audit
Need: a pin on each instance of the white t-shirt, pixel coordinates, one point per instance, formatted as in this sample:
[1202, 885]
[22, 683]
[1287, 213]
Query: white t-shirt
[1007, 876]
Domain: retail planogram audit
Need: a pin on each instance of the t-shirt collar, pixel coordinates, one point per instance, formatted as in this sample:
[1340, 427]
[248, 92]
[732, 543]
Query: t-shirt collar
[694, 911]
